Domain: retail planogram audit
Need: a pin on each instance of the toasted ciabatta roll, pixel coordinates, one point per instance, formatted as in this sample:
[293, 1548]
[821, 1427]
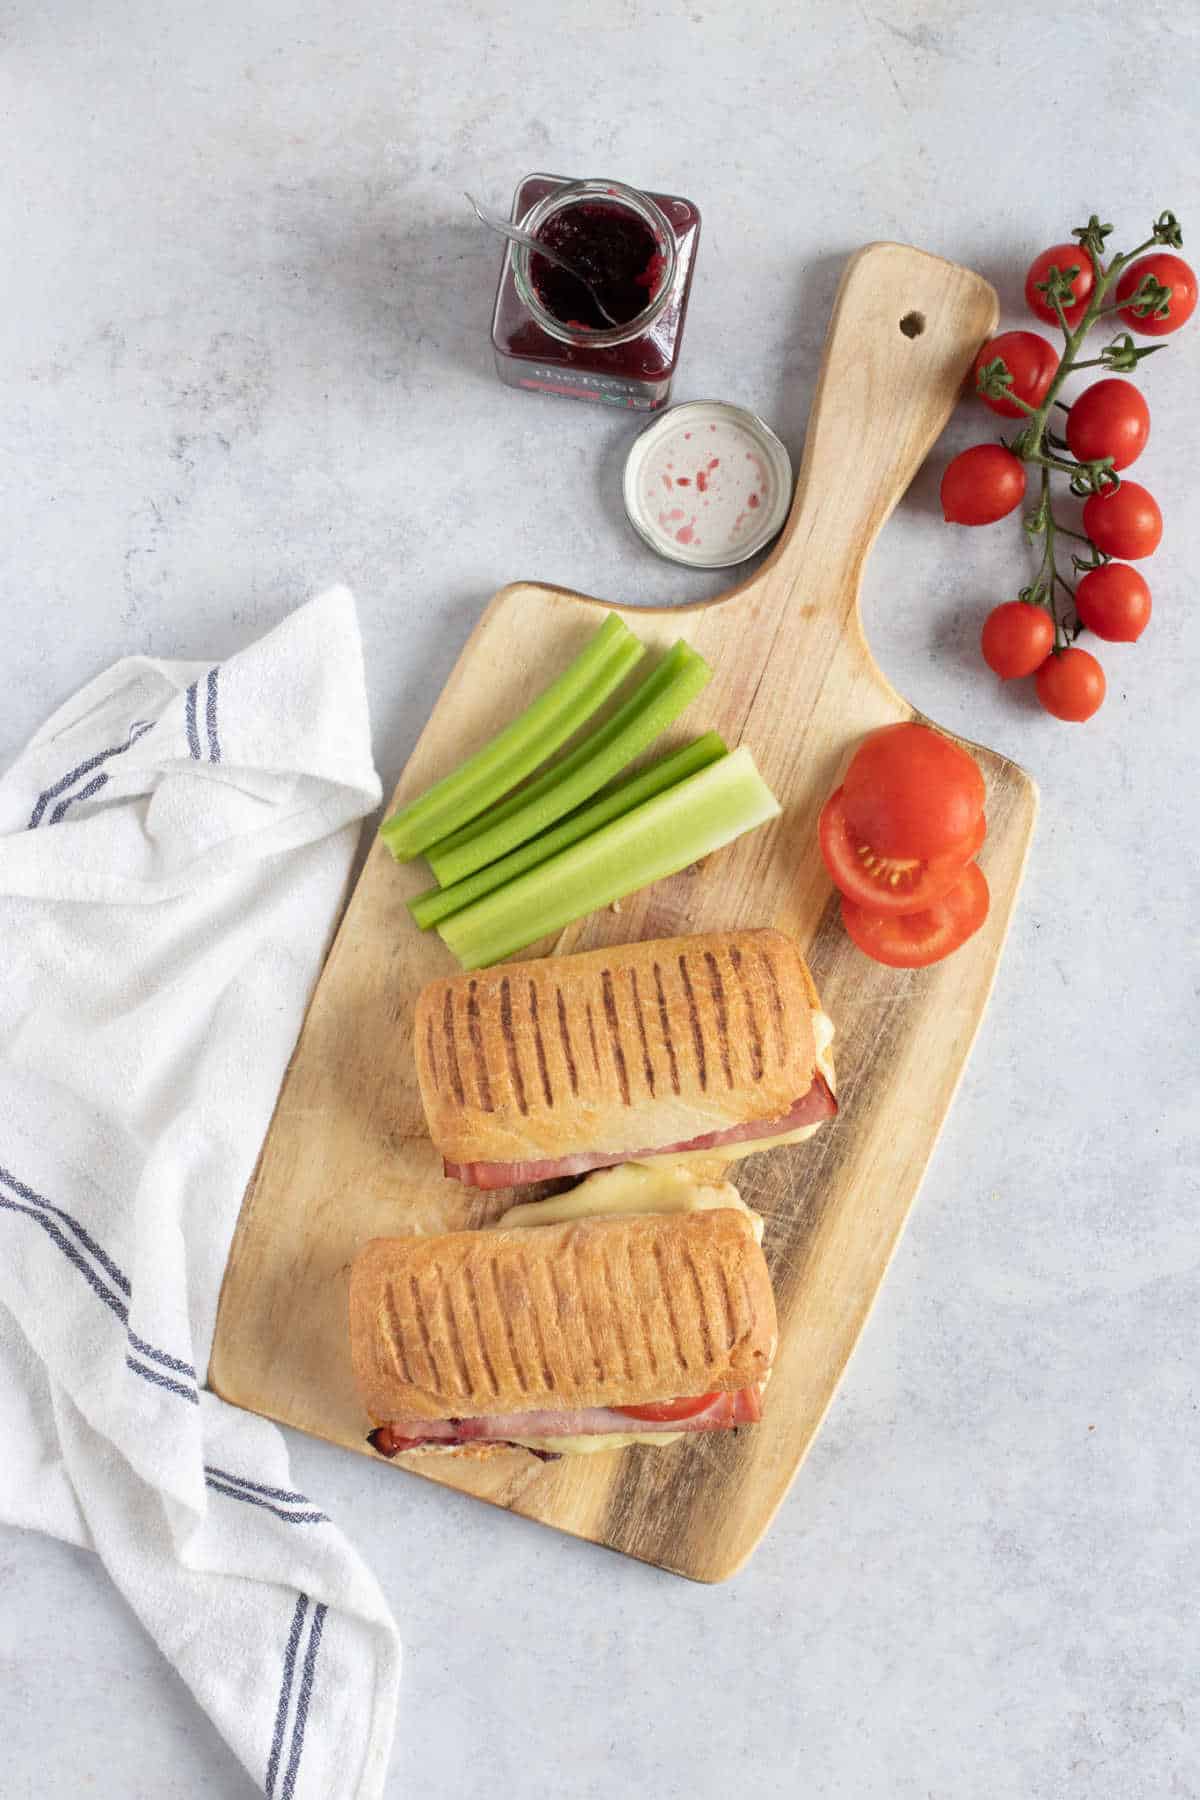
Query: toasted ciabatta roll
[539, 1069]
[540, 1335]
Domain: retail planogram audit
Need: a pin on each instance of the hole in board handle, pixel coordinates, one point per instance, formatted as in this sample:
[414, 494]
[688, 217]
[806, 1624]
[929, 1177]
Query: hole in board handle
[912, 324]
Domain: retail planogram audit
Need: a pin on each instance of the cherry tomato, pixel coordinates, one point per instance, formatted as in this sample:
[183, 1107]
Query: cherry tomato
[1124, 521]
[1017, 638]
[891, 884]
[1174, 273]
[1062, 257]
[1071, 685]
[981, 485]
[1109, 419]
[910, 792]
[666, 1410]
[1031, 362]
[921, 938]
[1114, 602]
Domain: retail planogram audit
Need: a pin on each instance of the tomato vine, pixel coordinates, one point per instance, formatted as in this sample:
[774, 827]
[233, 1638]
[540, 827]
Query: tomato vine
[1037, 443]
[1089, 442]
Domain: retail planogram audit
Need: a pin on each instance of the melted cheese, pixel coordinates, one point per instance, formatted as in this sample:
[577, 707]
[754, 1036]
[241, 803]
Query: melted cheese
[822, 1026]
[613, 1440]
[633, 1188]
[713, 1159]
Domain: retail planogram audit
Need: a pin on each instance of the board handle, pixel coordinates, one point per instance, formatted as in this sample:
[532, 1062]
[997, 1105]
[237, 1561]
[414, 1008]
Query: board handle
[904, 330]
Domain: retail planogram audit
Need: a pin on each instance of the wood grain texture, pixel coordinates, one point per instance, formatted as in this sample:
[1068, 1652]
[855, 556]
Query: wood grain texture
[347, 1158]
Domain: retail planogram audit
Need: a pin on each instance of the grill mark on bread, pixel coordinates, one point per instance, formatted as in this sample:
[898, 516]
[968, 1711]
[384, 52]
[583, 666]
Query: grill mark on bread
[701, 1304]
[717, 987]
[694, 1015]
[453, 1334]
[456, 1080]
[776, 1005]
[543, 1068]
[647, 1341]
[475, 1033]
[589, 1328]
[395, 1334]
[756, 1043]
[544, 1369]
[592, 1035]
[676, 1341]
[614, 1033]
[665, 1023]
[510, 1046]
[510, 1336]
[727, 1297]
[647, 1064]
[618, 1315]
[568, 1337]
[431, 1057]
[565, 1034]
[480, 1335]
[747, 1301]
[414, 1294]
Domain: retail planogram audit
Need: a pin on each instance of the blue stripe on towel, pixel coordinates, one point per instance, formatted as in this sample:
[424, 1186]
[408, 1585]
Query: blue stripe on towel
[210, 718]
[289, 1518]
[306, 1684]
[256, 1487]
[86, 1239]
[285, 1692]
[84, 793]
[138, 729]
[37, 1209]
[163, 1381]
[193, 736]
[160, 1356]
[71, 1253]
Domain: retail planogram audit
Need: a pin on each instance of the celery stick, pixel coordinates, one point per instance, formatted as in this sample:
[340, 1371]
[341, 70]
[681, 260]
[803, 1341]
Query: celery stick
[548, 781]
[656, 704]
[439, 903]
[656, 839]
[566, 705]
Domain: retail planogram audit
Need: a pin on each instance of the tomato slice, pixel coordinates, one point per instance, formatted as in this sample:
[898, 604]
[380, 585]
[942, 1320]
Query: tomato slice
[912, 791]
[666, 1410]
[890, 884]
[921, 938]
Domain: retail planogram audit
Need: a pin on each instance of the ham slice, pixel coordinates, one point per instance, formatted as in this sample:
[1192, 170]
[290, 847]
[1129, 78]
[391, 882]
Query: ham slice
[744, 1407]
[817, 1104]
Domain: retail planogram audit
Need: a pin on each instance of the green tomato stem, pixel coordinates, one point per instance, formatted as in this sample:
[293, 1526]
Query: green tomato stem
[1015, 399]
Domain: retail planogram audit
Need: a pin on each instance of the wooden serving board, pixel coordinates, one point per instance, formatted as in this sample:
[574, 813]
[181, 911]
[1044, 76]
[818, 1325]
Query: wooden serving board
[347, 1157]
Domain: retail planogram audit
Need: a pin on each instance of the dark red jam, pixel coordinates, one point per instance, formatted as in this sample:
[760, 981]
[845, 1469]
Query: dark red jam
[614, 250]
[550, 336]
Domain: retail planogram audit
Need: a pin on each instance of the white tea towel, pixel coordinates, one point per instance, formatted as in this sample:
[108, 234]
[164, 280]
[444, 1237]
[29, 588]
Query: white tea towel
[174, 850]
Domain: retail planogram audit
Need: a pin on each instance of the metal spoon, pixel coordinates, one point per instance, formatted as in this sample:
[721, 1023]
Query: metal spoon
[494, 222]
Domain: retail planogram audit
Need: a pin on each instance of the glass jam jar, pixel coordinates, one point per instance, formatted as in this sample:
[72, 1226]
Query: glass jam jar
[639, 249]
